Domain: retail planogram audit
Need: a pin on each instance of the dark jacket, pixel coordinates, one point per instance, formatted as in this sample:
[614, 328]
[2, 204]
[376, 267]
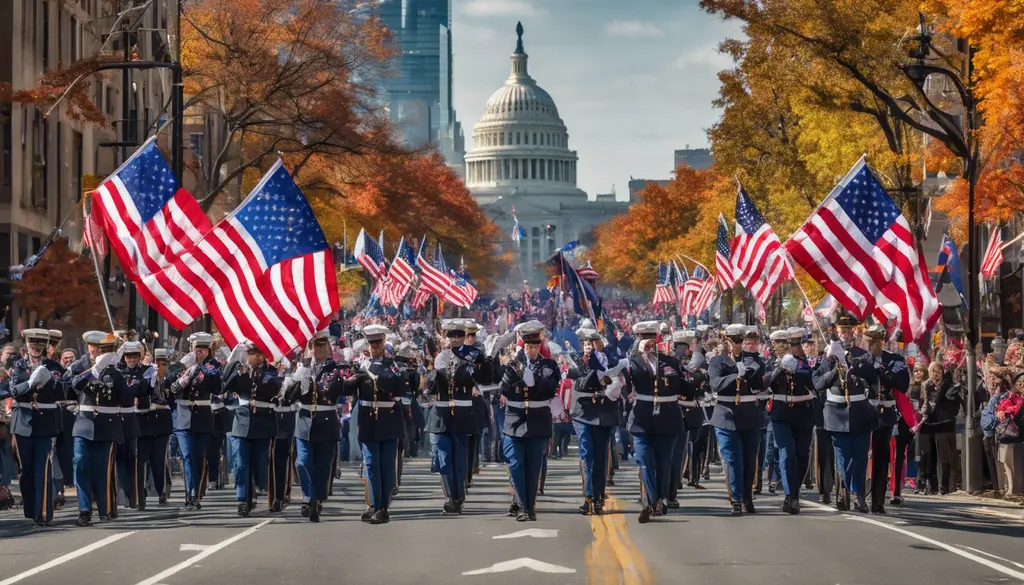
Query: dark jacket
[379, 392]
[452, 391]
[317, 418]
[37, 413]
[589, 405]
[254, 392]
[527, 408]
[153, 411]
[99, 404]
[727, 385]
[785, 385]
[656, 409]
[138, 385]
[886, 374]
[856, 417]
[192, 398]
[940, 406]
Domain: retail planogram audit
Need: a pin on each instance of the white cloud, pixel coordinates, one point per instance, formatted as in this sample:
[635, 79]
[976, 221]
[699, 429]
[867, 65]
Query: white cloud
[517, 8]
[632, 28]
[707, 57]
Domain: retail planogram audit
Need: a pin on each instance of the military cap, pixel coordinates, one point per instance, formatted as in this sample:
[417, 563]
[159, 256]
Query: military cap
[587, 334]
[703, 327]
[683, 336]
[35, 336]
[56, 335]
[200, 339]
[471, 326]
[454, 327]
[360, 345]
[132, 348]
[735, 330]
[99, 338]
[376, 332]
[663, 328]
[407, 350]
[780, 335]
[160, 353]
[250, 346]
[876, 332]
[647, 328]
[796, 334]
[530, 331]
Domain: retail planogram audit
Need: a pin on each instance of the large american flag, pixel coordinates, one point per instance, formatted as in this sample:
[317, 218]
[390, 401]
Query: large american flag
[723, 262]
[148, 217]
[993, 255]
[663, 290]
[859, 247]
[758, 261]
[434, 277]
[368, 254]
[265, 273]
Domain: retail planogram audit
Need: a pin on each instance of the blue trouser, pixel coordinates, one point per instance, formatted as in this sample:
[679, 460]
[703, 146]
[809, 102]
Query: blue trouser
[231, 452]
[253, 463]
[852, 461]
[315, 462]
[280, 469]
[739, 459]
[794, 455]
[380, 464]
[448, 457]
[624, 441]
[152, 456]
[771, 454]
[653, 455]
[762, 451]
[36, 477]
[679, 446]
[525, 458]
[193, 459]
[94, 462]
[593, 447]
[128, 469]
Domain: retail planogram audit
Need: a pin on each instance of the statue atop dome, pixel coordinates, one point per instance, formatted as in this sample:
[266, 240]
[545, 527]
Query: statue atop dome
[519, 43]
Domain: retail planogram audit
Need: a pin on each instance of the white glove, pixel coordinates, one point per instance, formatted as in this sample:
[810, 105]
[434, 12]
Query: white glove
[528, 377]
[183, 379]
[237, 354]
[40, 376]
[102, 362]
[836, 350]
[614, 390]
[741, 369]
[188, 360]
[302, 376]
[789, 363]
[443, 360]
[150, 373]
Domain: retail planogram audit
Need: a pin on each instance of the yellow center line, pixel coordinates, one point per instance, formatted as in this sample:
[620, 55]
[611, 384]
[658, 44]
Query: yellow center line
[613, 557]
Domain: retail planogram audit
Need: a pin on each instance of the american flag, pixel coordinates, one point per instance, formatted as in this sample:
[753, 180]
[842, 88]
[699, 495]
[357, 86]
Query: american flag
[369, 255]
[859, 246]
[758, 262]
[420, 298]
[265, 272]
[462, 292]
[434, 277]
[691, 290]
[149, 218]
[403, 269]
[723, 262]
[705, 297]
[588, 273]
[663, 290]
[993, 255]
[680, 277]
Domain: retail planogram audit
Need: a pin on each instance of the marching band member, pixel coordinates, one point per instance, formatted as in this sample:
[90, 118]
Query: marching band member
[698, 428]
[737, 377]
[255, 382]
[792, 411]
[473, 352]
[156, 425]
[316, 388]
[137, 378]
[378, 387]
[824, 453]
[406, 356]
[655, 379]
[197, 384]
[98, 427]
[693, 418]
[595, 414]
[283, 446]
[528, 385]
[222, 440]
[63, 448]
[36, 385]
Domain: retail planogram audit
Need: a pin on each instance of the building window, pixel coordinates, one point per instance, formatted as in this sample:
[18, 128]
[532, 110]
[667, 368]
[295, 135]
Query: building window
[46, 35]
[515, 168]
[501, 139]
[558, 171]
[533, 168]
[518, 137]
[508, 169]
[535, 139]
[551, 239]
[74, 39]
[542, 165]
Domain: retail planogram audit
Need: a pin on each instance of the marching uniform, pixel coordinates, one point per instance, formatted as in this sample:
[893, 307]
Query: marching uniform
[282, 451]
[193, 424]
[528, 386]
[252, 387]
[98, 427]
[37, 384]
[221, 441]
[655, 419]
[737, 418]
[63, 448]
[694, 401]
[792, 414]
[156, 426]
[137, 383]
[405, 359]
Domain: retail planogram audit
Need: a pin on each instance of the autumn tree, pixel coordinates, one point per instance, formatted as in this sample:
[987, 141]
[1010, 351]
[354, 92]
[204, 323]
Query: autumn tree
[62, 288]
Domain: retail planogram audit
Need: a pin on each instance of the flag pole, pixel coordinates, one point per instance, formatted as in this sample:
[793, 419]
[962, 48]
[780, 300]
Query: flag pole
[99, 275]
[695, 262]
[1011, 242]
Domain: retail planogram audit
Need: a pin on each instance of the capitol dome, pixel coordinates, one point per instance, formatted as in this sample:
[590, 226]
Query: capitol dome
[521, 144]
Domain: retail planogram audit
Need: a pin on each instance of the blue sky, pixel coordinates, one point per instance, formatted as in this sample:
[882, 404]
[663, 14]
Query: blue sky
[633, 79]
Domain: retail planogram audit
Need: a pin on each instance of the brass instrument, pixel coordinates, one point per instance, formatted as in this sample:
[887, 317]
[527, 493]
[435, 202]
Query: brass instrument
[254, 375]
[654, 380]
[738, 381]
[792, 390]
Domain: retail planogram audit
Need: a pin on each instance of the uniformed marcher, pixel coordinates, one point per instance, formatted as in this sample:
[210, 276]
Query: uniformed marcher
[378, 386]
[315, 389]
[528, 383]
[221, 440]
[655, 379]
[193, 390]
[473, 351]
[792, 411]
[36, 385]
[156, 426]
[98, 428]
[252, 383]
[695, 414]
[282, 448]
[595, 414]
[824, 453]
[406, 360]
[693, 417]
[737, 379]
[138, 380]
[63, 448]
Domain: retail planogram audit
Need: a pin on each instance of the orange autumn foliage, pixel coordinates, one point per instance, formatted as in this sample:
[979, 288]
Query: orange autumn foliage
[52, 85]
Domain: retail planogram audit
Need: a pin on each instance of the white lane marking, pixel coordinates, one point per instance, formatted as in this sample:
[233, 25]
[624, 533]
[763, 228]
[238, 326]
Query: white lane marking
[65, 558]
[155, 580]
[988, 554]
[532, 532]
[523, 563]
[947, 547]
[996, 513]
[193, 547]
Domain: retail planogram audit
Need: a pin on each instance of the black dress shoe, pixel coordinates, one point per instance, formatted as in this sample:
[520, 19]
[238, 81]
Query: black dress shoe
[825, 499]
[861, 507]
[771, 488]
[378, 517]
[275, 506]
[673, 503]
[450, 507]
[879, 509]
[244, 509]
[897, 501]
[787, 505]
[662, 508]
[698, 486]
[842, 504]
[304, 510]
[522, 517]
[366, 515]
[314, 513]
[513, 510]
[794, 506]
[142, 506]
[114, 513]
[59, 502]
[84, 519]
[645, 515]
[384, 517]
[598, 507]
[587, 507]
[162, 499]
[611, 482]
[749, 507]
[737, 509]
[199, 505]
[532, 516]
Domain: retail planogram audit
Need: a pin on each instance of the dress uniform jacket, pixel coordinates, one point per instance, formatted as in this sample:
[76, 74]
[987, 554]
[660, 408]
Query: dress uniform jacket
[452, 391]
[99, 403]
[885, 374]
[255, 417]
[590, 406]
[523, 420]
[153, 411]
[474, 354]
[137, 386]
[664, 417]
[726, 384]
[839, 417]
[693, 414]
[380, 401]
[193, 399]
[785, 385]
[317, 419]
[410, 406]
[37, 414]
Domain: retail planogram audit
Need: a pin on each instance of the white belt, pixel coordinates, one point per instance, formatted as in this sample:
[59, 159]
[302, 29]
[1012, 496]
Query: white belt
[883, 403]
[649, 398]
[194, 402]
[443, 403]
[142, 410]
[743, 398]
[688, 403]
[128, 410]
[584, 394]
[842, 399]
[99, 409]
[160, 407]
[289, 408]
[378, 404]
[256, 403]
[218, 406]
[67, 403]
[311, 407]
[38, 406]
[406, 401]
[533, 404]
[791, 399]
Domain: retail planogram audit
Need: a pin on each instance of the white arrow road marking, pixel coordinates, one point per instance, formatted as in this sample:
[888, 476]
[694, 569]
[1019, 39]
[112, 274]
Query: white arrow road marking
[65, 558]
[193, 547]
[524, 563]
[534, 532]
[159, 577]
[988, 554]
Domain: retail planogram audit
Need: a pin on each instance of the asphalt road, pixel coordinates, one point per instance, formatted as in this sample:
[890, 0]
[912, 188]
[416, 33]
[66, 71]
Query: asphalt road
[931, 540]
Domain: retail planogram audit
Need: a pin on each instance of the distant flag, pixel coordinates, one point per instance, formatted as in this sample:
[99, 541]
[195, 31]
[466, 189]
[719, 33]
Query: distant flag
[691, 290]
[705, 297]
[949, 259]
[588, 273]
[434, 276]
[517, 232]
[569, 249]
[420, 298]
[401, 273]
[758, 261]
[679, 278]
[92, 235]
[723, 262]
[663, 290]
[993, 255]
[369, 254]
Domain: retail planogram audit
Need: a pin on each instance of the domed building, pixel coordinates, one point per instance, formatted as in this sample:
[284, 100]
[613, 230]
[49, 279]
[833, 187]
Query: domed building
[521, 163]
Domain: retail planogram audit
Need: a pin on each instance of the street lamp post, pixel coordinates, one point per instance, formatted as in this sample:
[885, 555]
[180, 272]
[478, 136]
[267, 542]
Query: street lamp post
[964, 144]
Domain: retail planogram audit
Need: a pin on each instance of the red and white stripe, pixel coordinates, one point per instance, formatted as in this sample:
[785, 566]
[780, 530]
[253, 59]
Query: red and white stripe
[705, 297]
[420, 298]
[758, 262]
[723, 271]
[663, 294]
[993, 255]
[433, 280]
[688, 295]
